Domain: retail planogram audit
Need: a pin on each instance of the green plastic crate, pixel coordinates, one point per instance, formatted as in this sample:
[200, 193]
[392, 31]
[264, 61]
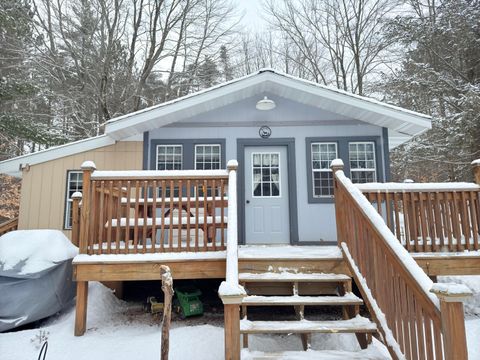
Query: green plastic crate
[189, 300]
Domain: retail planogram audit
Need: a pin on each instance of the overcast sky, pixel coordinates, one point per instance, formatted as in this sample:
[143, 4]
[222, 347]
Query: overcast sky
[253, 10]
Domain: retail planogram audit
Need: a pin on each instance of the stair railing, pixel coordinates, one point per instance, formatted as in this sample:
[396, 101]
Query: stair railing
[9, 225]
[414, 323]
[230, 291]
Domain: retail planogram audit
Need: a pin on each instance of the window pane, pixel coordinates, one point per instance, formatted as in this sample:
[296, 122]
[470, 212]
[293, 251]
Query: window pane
[266, 174]
[207, 157]
[74, 184]
[322, 156]
[169, 157]
[362, 162]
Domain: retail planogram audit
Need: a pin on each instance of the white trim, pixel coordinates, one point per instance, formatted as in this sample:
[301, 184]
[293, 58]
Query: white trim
[13, 166]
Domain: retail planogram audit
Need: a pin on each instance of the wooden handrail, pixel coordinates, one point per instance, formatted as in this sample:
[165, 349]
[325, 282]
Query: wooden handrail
[429, 217]
[414, 323]
[133, 212]
[9, 225]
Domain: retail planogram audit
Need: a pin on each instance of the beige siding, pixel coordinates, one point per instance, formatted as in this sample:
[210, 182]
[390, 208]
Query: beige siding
[42, 202]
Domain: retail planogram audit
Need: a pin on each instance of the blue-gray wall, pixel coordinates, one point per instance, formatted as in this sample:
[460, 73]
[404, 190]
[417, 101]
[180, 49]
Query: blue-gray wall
[288, 120]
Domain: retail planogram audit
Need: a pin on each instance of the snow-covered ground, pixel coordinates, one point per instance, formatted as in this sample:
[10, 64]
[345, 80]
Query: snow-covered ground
[118, 330]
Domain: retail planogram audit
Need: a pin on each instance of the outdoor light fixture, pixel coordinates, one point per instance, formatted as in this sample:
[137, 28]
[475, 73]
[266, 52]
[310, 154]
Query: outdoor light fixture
[265, 104]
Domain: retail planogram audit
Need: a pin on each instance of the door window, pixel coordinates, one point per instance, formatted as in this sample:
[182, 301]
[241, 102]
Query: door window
[266, 174]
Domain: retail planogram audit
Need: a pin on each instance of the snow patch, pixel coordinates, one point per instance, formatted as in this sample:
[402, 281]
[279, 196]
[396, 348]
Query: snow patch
[451, 289]
[88, 165]
[34, 250]
[231, 289]
[407, 186]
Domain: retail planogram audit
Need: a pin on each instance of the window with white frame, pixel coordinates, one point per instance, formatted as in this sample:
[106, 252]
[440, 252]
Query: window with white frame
[207, 157]
[74, 184]
[169, 157]
[362, 161]
[322, 177]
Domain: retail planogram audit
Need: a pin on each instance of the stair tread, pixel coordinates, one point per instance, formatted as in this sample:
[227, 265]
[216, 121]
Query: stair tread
[310, 354]
[347, 299]
[357, 324]
[290, 277]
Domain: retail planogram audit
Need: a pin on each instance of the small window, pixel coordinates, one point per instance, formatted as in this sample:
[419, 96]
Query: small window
[363, 167]
[169, 157]
[322, 176]
[207, 157]
[74, 184]
[266, 174]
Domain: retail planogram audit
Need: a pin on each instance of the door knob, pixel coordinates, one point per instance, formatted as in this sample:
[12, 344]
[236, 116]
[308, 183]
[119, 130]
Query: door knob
[248, 201]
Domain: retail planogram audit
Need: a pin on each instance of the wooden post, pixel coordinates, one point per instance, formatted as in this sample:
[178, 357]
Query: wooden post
[76, 197]
[167, 287]
[337, 165]
[88, 167]
[451, 298]
[232, 331]
[81, 308]
[476, 170]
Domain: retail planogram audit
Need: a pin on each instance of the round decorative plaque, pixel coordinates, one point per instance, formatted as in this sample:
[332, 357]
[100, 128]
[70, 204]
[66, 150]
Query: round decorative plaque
[265, 132]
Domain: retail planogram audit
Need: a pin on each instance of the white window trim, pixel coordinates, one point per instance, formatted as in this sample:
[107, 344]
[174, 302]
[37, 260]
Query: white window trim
[279, 176]
[165, 146]
[320, 170]
[374, 170]
[68, 200]
[219, 154]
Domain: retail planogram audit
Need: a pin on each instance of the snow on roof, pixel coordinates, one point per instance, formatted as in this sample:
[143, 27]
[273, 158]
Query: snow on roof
[402, 123]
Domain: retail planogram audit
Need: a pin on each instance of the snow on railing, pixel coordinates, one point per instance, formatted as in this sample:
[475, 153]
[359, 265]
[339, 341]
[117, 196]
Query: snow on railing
[230, 287]
[131, 212]
[429, 217]
[399, 295]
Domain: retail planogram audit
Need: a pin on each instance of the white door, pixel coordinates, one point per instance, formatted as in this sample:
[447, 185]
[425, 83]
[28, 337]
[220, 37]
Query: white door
[266, 195]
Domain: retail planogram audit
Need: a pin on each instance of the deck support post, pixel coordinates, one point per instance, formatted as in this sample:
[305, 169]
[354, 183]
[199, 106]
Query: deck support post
[76, 198]
[232, 330]
[476, 170]
[452, 315]
[88, 167]
[81, 308]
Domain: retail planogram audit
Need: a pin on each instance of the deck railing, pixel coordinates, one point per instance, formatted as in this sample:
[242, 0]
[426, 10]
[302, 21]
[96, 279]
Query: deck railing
[131, 212]
[430, 217]
[414, 323]
[9, 225]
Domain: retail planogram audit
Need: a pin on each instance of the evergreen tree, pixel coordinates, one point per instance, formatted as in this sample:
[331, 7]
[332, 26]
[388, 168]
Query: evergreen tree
[440, 76]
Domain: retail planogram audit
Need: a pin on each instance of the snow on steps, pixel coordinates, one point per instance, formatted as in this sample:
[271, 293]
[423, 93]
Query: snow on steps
[358, 324]
[347, 299]
[313, 354]
[292, 277]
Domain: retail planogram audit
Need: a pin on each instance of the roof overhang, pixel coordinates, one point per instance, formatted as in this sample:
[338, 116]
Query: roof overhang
[404, 123]
[15, 165]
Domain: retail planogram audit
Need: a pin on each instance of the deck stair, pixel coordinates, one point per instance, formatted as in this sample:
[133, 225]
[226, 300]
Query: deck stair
[304, 289]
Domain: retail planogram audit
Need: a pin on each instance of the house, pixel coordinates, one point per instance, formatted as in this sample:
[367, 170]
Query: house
[285, 184]
[161, 187]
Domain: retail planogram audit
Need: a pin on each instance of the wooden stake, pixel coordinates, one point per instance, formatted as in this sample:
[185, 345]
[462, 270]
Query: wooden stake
[167, 287]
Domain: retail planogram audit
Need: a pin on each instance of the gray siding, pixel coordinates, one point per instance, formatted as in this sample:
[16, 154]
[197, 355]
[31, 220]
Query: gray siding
[288, 120]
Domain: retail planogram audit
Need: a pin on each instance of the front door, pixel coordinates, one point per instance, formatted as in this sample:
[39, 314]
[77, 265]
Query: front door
[266, 195]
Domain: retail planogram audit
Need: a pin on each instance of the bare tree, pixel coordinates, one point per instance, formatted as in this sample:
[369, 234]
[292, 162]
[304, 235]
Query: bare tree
[338, 41]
